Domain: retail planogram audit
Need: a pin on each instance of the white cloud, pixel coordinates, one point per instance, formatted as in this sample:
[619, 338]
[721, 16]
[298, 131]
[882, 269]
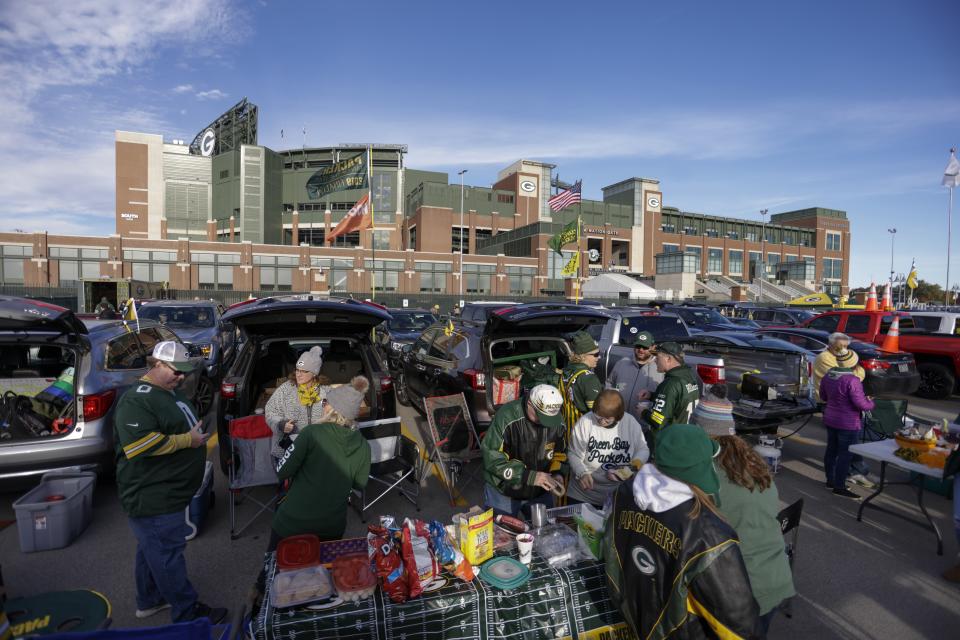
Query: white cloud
[183, 88]
[57, 150]
[213, 94]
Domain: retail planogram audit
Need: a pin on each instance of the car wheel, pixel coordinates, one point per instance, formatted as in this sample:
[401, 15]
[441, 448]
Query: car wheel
[401, 390]
[204, 397]
[936, 381]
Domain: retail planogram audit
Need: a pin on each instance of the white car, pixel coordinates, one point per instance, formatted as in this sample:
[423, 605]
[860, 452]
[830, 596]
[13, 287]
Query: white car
[937, 321]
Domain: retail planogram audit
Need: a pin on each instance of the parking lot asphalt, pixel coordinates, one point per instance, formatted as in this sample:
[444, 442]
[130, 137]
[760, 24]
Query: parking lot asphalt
[879, 578]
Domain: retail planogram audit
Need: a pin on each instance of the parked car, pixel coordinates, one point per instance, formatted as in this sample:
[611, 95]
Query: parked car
[744, 322]
[198, 323]
[780, 317]
[886, 373]
[276, 330]
[937, 354]
[937, 321]
[478, 312]
[462, 360]
[700, 319]
[403, 327]
[616, 336]
[38, 342]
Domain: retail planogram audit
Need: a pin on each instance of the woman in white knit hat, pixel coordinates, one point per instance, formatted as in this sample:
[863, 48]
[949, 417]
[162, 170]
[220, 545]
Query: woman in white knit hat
[328, 460]
[296, 403]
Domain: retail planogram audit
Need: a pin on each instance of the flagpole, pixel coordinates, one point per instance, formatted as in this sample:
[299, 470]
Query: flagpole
[373, 225]
[576, 281]
[946, 291]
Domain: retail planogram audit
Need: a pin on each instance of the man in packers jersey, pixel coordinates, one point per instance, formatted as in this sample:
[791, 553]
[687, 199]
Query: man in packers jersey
[675, 397]
[160, 464]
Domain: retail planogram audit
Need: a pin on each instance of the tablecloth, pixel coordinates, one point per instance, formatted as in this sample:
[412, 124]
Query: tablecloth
[555, 603]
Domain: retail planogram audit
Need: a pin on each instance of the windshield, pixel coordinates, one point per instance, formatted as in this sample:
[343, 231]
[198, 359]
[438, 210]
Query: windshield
[697, 317]
[802, 316]
[410, 321]
[178, 316]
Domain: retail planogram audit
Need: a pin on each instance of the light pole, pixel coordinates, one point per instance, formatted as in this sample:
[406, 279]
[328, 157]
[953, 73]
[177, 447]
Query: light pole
[893, 237]
[460, 173]
[763, 251]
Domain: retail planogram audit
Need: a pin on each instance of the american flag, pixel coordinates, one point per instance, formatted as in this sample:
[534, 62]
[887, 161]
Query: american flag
[566, 198]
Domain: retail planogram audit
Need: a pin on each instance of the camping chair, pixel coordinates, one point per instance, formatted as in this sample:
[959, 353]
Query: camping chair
[393, 458]
[886, 418]
[250, 466]
[789, 519]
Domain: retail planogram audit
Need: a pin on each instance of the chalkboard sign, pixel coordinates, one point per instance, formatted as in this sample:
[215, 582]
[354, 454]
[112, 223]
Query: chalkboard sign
[455, 439]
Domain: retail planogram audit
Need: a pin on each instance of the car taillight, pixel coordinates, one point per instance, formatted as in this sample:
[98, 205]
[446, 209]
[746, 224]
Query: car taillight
[95, 406]
[228, 389]
[386, 383]
[873, 365]
[477, 379]
[711, 374]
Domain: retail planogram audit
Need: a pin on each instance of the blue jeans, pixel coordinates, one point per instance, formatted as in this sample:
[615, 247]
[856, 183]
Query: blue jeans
[161, 569]
[504, 505]
[956, 506]
[836, 460]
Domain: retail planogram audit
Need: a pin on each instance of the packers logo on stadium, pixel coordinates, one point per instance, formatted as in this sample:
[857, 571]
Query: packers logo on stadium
[644, 561]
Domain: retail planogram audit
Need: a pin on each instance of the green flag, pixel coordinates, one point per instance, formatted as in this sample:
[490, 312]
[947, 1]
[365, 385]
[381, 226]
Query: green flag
[570, 233]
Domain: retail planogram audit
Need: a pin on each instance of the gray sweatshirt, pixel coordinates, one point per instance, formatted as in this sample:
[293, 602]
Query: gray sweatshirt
[629, 377]
[592, 447]
[284, 405]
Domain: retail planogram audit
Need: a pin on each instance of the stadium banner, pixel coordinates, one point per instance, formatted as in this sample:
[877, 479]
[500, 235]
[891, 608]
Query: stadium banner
[342, 176]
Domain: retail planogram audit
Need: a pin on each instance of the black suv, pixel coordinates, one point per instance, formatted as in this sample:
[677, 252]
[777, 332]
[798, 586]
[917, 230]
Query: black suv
[275, 331]
[404, 326]
[461, 357]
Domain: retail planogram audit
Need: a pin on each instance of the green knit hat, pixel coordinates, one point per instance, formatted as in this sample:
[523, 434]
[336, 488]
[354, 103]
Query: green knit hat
[685, 452]
[582, 342]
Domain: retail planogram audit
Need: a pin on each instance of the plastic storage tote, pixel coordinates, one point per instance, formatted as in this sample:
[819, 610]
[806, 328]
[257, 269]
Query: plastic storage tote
[54, 513]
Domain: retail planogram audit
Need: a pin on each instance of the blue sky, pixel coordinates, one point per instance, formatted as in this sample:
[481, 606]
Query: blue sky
[734, 107]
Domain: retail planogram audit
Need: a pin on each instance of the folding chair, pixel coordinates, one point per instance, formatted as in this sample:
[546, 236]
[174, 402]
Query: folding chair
[789, 519]
[250, 466]
[886, 418]
[393, 458]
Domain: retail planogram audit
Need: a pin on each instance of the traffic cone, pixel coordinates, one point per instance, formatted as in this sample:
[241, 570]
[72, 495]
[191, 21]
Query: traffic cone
[892, 341]
[872, 298]
[887, 298]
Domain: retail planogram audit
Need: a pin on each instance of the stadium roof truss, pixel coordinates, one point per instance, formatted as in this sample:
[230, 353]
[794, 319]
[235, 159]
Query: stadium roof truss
[237, 126]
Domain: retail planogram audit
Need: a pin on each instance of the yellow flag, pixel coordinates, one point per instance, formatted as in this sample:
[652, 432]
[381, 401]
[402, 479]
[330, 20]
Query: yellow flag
[449, 329]
[130, 314]
[573, 265]
[912, 278]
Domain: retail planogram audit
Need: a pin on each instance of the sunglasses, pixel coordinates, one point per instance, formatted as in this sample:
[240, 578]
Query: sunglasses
[175, 372]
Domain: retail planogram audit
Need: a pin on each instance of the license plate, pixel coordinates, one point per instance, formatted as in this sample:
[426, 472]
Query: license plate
[903, 368]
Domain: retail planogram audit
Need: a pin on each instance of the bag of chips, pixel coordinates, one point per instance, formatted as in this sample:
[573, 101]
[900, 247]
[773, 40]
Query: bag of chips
[422, 566]
[442, 548]
[385, 554]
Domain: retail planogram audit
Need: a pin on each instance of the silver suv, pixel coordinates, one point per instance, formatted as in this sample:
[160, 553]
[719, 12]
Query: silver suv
[71, 423]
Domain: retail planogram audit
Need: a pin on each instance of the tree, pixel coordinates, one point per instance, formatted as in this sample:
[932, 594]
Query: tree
[928, 292]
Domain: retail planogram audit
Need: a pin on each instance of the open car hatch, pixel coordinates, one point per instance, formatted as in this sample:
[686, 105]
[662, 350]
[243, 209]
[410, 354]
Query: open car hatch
[536, 318]
[22, 314]
[304, 315]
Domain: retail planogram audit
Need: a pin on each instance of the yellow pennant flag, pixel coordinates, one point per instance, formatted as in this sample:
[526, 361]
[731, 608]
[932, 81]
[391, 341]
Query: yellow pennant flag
[912, 277]
[130, 314]
[573, 265]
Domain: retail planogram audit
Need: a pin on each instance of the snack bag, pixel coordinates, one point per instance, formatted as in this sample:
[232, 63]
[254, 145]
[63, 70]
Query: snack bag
[389, 565]
[422, 566]
[476, 535]
[442, 549]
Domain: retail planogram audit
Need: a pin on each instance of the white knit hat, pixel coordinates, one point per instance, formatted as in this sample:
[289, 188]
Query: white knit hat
[311, 360]
[346, 399]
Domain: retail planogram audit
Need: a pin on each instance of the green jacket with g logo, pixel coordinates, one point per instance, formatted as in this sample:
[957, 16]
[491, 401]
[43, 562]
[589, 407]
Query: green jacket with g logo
[674, 399]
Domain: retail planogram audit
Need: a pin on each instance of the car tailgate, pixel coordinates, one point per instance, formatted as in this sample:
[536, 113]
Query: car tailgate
[788, 371]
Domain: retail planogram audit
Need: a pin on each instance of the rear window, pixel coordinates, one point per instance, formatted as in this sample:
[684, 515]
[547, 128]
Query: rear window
[179, 316]
[857, 324]
[663, 328]
[905, 323]
[927, 323]
[825, 323]
[411, 321]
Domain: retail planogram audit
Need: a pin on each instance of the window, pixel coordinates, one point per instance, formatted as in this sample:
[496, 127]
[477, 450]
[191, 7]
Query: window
[503, 197]
[69, 271]
[479, 277]
[521, 280]
[381, 240]
[832, 269]
[714, 260]
[90, 269]
[886, 321]
[413, 238]
[433, 276]
[668, 228]
[773, 259]
[64, 252]
[460, 236]
[695, 251]
[225, 174]
[833, 241]
[670, 248]
[124, 353]
[825, 323]
[736, 262]
[422, 345]
[754, 259]
[149, 339]
[386, 273]
[857, 324]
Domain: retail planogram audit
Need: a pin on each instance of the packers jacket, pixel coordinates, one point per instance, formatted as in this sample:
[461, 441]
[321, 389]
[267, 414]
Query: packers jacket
[673, 576]
[674, 399]
[514, 449]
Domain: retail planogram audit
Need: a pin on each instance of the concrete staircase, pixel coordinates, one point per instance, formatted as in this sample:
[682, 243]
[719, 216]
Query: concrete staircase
[771, 293]
[797, 289]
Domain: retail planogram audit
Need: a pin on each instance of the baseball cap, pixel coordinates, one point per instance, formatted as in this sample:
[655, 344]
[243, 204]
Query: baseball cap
[644, 339]
[174, 354]
[547, 402]
[670, 348]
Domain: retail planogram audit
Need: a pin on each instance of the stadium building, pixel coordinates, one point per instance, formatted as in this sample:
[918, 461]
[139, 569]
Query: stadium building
[224, 212]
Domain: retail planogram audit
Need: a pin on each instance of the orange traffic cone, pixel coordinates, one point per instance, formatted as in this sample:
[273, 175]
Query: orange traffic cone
[887, 298]
[892, 341]
[872, 298]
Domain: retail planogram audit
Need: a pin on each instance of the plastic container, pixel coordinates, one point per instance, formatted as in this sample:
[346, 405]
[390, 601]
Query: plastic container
[353, 577]
[303, 586]
[504, 573]
[557, 545]
[196, 511]
[52, 524]
[298, 552]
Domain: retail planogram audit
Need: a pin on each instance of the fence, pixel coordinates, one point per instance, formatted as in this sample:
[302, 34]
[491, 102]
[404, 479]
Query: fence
[61, 296]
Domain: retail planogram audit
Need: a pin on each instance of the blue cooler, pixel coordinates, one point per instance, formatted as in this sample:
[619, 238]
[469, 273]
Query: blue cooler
[202, 502]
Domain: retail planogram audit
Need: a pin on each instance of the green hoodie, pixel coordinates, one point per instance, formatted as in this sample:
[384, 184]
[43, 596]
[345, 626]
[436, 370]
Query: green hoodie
[674, 399]
[325, 462]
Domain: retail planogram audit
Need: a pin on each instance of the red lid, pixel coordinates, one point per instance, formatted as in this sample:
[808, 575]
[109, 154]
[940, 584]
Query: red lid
[297, 552]
[55, 498]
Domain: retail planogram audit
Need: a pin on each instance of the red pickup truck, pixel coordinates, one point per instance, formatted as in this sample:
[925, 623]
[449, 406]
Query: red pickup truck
[937, 354]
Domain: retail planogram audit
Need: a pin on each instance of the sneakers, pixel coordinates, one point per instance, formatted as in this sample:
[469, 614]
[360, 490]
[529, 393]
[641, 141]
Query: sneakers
[216, 614]
[862, 480]
[952, 574]
[846, 493]
[146, 613]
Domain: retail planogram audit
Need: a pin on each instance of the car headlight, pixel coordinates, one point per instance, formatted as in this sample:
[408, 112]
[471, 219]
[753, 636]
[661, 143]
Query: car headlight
[396, 346]
[206, 349]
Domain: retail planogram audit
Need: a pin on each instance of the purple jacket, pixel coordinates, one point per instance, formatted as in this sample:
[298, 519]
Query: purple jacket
[843, 393]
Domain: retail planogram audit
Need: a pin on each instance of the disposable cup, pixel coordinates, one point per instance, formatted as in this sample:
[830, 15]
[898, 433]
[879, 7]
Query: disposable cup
[525, 547]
